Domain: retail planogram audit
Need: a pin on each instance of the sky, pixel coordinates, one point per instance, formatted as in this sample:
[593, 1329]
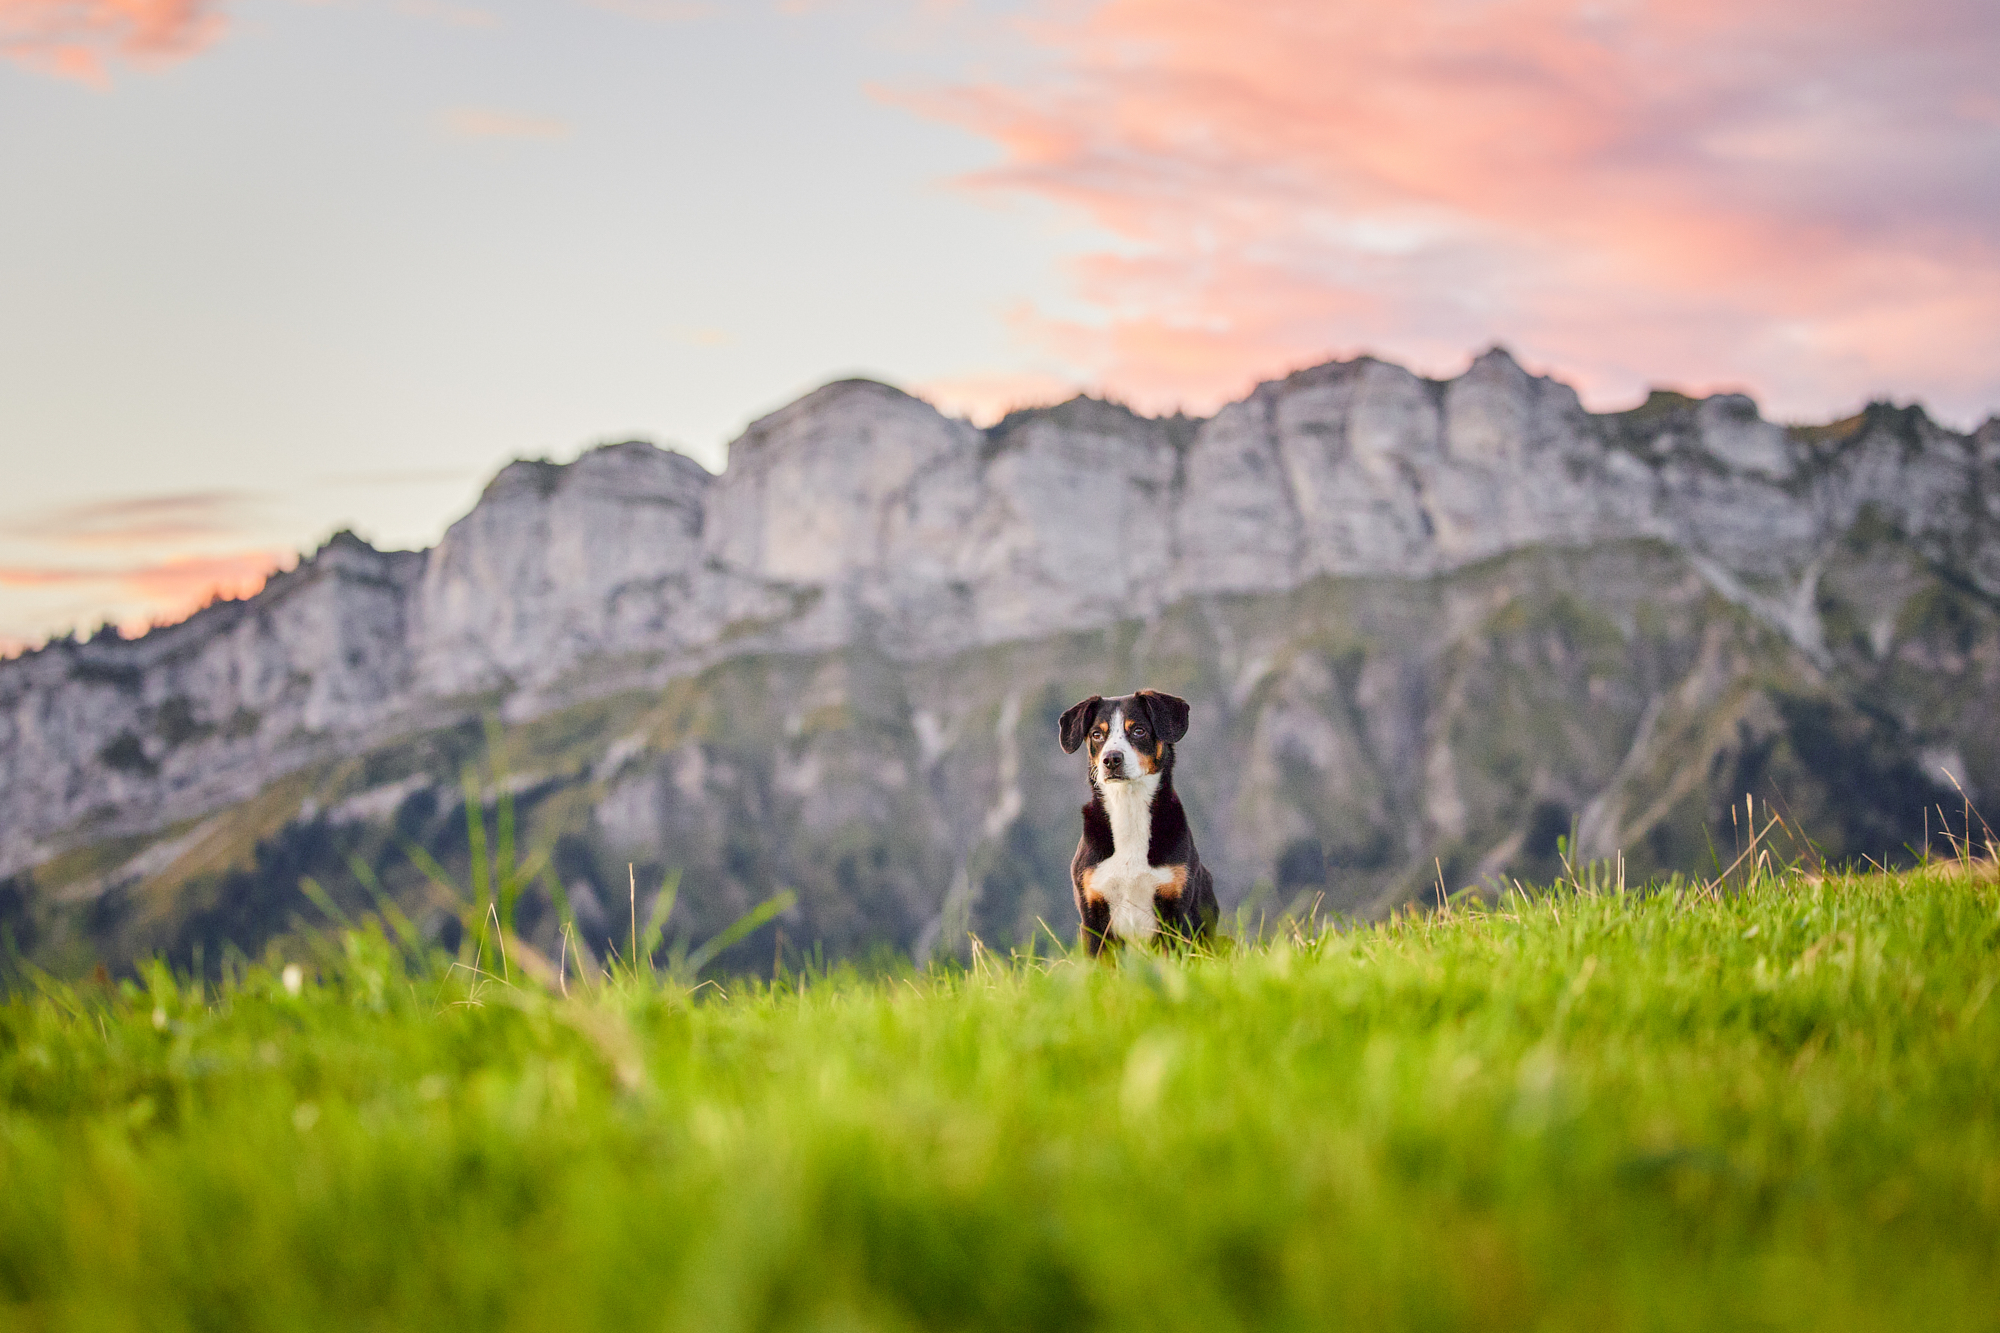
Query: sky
[270, 268]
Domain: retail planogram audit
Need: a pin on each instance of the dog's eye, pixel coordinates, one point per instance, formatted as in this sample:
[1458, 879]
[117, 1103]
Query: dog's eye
[1138, 733]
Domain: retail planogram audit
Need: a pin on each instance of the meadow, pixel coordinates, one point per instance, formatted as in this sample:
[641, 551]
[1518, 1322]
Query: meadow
[1771, 1106]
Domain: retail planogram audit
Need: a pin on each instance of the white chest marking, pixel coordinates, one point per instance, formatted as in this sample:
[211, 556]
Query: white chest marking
[1124, 879]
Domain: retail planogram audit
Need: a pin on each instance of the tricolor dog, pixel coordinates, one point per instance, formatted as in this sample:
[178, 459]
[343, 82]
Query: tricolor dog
[1136, 872]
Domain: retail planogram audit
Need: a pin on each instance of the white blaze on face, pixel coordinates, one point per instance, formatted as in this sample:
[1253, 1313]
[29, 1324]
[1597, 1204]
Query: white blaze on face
[1126, 879]
[1119, 743]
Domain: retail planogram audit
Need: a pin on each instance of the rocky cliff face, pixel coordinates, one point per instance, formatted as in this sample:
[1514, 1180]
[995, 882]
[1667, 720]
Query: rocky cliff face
[1424, 623]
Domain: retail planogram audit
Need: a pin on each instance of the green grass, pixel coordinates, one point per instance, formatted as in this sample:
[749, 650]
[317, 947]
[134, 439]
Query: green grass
[1768, 1109]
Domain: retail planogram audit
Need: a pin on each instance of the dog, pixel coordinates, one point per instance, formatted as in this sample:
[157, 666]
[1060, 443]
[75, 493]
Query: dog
[1136, 873]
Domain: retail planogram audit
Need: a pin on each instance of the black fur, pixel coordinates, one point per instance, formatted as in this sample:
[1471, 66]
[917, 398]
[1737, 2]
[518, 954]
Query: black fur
[1167, 715]
[1076, 722]
[1191, 915]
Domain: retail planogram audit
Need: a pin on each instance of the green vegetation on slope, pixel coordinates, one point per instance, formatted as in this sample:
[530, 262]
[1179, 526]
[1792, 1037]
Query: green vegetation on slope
[1770, 1108]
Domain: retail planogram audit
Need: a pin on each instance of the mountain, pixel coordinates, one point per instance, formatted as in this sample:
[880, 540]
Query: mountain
[1427, 627]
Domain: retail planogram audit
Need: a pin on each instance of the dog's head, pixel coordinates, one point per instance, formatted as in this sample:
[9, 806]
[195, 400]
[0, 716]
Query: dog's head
[1129, 738]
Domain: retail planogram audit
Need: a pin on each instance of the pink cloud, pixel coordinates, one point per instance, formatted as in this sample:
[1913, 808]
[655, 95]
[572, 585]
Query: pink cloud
[157, 592]
[1627, 190]
[75, 38]
[985, 398]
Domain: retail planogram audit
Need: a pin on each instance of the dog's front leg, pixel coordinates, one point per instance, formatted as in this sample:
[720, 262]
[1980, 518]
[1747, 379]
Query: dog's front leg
[1096, 925]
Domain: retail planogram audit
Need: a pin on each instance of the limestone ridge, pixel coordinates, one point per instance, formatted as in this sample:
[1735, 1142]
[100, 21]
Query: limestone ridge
[862, 515]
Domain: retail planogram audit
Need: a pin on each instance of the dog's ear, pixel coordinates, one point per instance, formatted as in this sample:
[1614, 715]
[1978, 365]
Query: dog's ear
[1076, 722]
[1170, 715]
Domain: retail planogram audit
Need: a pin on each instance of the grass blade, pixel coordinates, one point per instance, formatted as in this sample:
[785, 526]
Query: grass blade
[324, 901]
[656, 919]
[740, 928]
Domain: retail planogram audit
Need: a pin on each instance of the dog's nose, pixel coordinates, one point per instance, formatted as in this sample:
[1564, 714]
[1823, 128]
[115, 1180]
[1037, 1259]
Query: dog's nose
[1114, 763]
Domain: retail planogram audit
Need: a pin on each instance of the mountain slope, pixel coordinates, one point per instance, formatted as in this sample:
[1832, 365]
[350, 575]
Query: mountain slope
[1427, 626]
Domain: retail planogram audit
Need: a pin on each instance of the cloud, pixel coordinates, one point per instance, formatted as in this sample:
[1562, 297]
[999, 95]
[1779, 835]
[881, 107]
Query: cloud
[469, 122]
[76, 38]
[141, 521]
[985, 398]
[235, 574]
[1624, 189]
[134, 560]
[146, 593]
